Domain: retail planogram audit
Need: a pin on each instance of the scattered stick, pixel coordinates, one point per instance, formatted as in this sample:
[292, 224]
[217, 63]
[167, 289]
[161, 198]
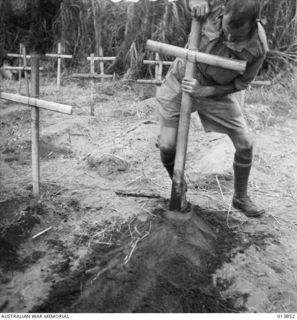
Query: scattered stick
[220, 188]
[111, 265]
[135, 242]
[147, 211]
[129, 130]
[274, 218]
[92, 270]
[106, 243]
[228, 214]
[132, 181]
[229, 206]
[137, 194]
[98, 234]
[42, 232]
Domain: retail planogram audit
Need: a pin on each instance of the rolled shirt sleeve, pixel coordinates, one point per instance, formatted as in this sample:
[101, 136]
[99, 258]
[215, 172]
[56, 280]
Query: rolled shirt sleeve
[241, 82]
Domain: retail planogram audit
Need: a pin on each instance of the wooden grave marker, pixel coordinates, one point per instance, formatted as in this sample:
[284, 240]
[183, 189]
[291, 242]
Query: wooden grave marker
[158, 70]
[59, 56]
[92, 74]
[36, 103]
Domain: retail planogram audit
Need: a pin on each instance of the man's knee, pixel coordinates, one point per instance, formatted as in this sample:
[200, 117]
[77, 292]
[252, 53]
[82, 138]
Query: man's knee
[245, 150]
[167, 144]
[244, 145]
[167, 152]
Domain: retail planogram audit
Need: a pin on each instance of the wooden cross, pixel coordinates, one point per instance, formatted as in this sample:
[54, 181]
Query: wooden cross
[36, 103]
[101, 60]
[59, 56]
[92, 74]
[22, 56]
[158, 70]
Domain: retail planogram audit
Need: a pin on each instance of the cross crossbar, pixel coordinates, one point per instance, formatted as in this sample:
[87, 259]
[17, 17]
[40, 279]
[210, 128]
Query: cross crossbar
[20, 68]
[56, 55]
[165, 63]
[17, 55]
[196, 56]
[101, 58]
[34, 102]
[91, 75]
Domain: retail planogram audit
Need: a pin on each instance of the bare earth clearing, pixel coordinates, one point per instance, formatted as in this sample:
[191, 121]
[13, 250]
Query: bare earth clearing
[113, 246]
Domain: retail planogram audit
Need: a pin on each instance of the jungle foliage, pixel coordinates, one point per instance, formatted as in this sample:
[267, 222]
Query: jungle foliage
[122, 28]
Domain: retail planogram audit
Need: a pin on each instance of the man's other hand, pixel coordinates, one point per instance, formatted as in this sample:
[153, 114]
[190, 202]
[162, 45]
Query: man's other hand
[192, 86]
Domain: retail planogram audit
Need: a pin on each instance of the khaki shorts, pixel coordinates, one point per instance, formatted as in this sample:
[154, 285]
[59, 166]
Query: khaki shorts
[221, 114]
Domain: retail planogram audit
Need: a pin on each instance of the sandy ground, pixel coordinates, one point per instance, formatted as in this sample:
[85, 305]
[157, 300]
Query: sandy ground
[113, 245]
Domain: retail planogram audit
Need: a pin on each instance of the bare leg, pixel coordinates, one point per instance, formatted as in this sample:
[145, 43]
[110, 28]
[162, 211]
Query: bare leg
[167, 146]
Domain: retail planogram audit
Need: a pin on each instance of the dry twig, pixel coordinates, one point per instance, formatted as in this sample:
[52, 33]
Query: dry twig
[128, 131]
[135, 242]
[136, 194]
[219, 185]
[42, 232]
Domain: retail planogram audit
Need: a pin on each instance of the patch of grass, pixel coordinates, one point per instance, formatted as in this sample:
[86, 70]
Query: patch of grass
[280, 96]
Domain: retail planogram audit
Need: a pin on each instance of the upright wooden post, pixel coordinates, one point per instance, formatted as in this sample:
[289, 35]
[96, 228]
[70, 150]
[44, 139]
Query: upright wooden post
[20, 71]
[184, 125]
[158, 68]
[101, 63]
[92, 84]
[59, 66]
[35, 126]
[26, 72]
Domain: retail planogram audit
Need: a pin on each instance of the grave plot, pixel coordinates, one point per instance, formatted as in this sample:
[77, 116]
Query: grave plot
[100, 239]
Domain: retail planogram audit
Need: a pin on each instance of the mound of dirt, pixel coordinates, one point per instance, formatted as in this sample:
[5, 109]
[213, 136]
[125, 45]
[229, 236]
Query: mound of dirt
[164, 264]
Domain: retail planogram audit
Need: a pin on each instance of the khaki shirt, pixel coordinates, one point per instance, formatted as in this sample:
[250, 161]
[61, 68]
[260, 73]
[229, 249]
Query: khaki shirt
[252, 50]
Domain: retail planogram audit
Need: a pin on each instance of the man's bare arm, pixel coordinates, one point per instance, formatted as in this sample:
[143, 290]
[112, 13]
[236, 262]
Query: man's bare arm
[191, 86]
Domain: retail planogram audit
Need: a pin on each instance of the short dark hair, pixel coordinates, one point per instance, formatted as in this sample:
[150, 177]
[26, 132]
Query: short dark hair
[242, 11]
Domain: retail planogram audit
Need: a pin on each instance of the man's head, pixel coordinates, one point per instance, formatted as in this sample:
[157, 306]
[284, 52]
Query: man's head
[239, 18]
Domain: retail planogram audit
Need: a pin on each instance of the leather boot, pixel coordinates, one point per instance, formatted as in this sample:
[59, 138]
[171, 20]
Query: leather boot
[241, 200]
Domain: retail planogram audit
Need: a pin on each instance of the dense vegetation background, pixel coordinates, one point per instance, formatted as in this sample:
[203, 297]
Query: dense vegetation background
[121, 29]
